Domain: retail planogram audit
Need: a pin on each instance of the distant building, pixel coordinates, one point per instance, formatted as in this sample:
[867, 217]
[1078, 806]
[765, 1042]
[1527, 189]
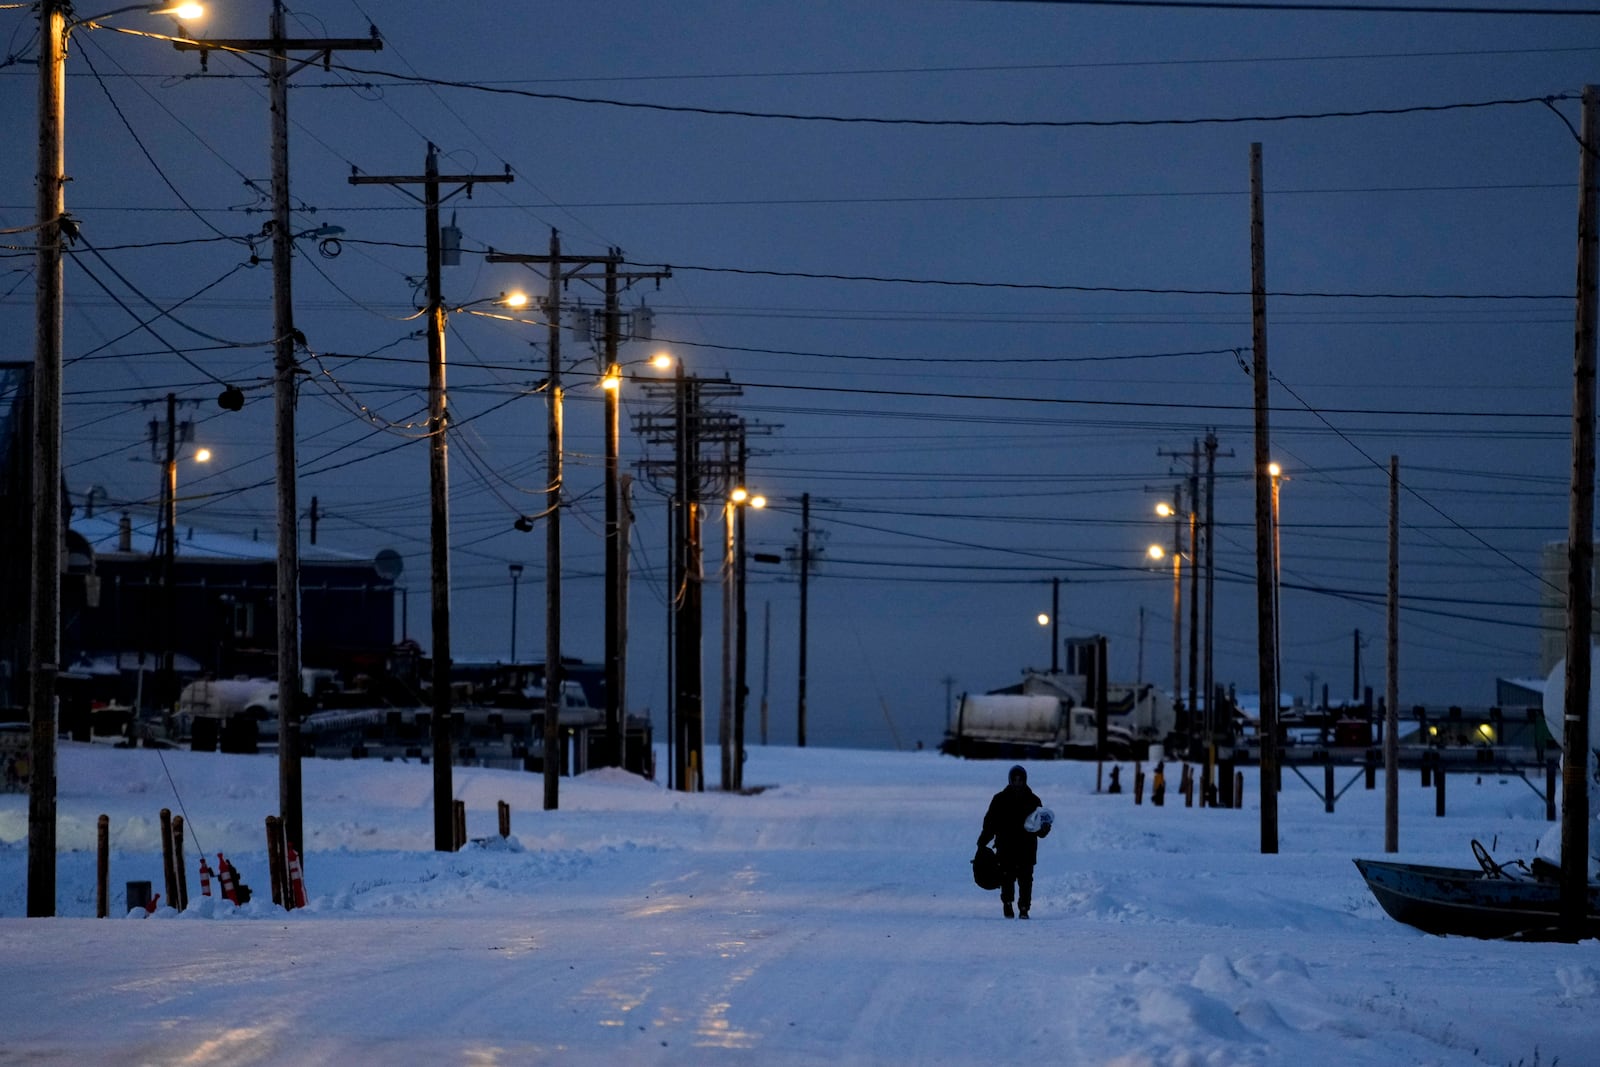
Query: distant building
[117, 622]
[222, 619]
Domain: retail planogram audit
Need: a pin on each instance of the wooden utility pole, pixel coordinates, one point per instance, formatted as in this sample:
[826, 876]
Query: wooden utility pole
[44, 652]
[616, 645]
[554, 675]
[285, 370]
[1194, 587]
[556, 276]
[1266, 552]
[1391, 687]
[1576, 745]
[805, 579]
[168, 526]
[1055, 625]
[444, 826]
[741, 686]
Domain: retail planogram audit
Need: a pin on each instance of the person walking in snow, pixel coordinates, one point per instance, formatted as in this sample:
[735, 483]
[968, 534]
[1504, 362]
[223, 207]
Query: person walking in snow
[1016, 843]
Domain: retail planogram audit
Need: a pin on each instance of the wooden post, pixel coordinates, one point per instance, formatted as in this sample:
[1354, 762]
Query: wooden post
[1327, 788]
[1372, 769]
[1238, 789]
[102, 868]
[505, 819]
[1438, 791]
[167, 870]
[181, 902]
[275, 865]
[1187, 786]
[461, 824]
[1138, 786]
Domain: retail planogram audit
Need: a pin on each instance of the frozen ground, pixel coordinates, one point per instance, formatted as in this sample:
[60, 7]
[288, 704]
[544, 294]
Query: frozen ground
[830, 919]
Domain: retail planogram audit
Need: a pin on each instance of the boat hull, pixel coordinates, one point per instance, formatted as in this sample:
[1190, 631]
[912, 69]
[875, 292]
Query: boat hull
[1467, 902]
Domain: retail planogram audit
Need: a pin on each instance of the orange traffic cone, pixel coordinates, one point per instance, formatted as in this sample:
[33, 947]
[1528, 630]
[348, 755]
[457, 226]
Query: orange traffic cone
[225, 879]
[296, 879]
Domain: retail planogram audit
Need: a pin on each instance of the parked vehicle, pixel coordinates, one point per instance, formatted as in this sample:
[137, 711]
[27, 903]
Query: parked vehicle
[1050, 715]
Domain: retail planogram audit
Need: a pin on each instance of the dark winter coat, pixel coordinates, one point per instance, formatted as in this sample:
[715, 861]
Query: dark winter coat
[1016, 846]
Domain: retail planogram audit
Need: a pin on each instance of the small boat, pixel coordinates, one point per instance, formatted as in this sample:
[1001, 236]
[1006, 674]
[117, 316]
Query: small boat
[1488, 902]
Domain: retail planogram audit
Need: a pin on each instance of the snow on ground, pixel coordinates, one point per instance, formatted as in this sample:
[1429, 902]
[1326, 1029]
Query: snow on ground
[829, 919]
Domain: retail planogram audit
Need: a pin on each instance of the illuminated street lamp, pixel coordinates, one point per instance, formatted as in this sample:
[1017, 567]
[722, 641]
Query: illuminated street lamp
[1166, 510]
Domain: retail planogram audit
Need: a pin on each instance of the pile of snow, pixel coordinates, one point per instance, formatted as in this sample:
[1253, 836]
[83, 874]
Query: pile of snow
[829, 918]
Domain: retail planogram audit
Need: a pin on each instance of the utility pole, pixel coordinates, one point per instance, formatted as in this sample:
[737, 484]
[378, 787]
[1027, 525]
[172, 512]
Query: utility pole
[1391, 688]
[1212, 725]
[278, 46]
[766, 663]
[444, 833]
[45, 638]
[690, 424]
[1266, 527]
[616, 646]
[741, 686]
[555, 264]
[1177, 594]
[1576, 744]
[168, 526]
[1055, 625]
[1355, 668]
[805, 577]
[1195, 715]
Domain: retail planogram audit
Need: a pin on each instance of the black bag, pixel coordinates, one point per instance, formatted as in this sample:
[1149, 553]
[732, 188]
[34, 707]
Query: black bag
[986, 868]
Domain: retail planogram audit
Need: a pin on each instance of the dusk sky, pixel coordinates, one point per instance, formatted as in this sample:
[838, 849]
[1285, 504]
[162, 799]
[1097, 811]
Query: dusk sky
[978, 326]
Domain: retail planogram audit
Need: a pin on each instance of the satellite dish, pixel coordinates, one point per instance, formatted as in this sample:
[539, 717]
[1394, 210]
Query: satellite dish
[388, 564]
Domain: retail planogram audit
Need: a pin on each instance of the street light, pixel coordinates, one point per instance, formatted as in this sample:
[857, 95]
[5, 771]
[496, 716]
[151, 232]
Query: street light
[516, 576]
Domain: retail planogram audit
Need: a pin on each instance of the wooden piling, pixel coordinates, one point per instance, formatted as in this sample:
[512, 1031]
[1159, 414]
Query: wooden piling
[505, 819]
[181, 901]
[167, 870]
[461, 824]
[277, 869]
[102, 868]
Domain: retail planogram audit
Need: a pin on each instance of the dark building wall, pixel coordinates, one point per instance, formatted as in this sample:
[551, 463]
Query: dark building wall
[16, 533]
[224, 615]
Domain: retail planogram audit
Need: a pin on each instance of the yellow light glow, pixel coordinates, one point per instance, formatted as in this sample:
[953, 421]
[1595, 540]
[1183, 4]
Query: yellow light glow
[1156, 552]
[1486, 732]
[187, 12]
[739, 495]
[1044, 620]
[516, 300]
[203, 456]
[662, 361]
[758, 501]
[1274, 470]
[1164, 509]
[612, 379]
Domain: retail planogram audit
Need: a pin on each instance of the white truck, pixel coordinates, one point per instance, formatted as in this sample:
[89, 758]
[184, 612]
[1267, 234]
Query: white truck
[1049, 716]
